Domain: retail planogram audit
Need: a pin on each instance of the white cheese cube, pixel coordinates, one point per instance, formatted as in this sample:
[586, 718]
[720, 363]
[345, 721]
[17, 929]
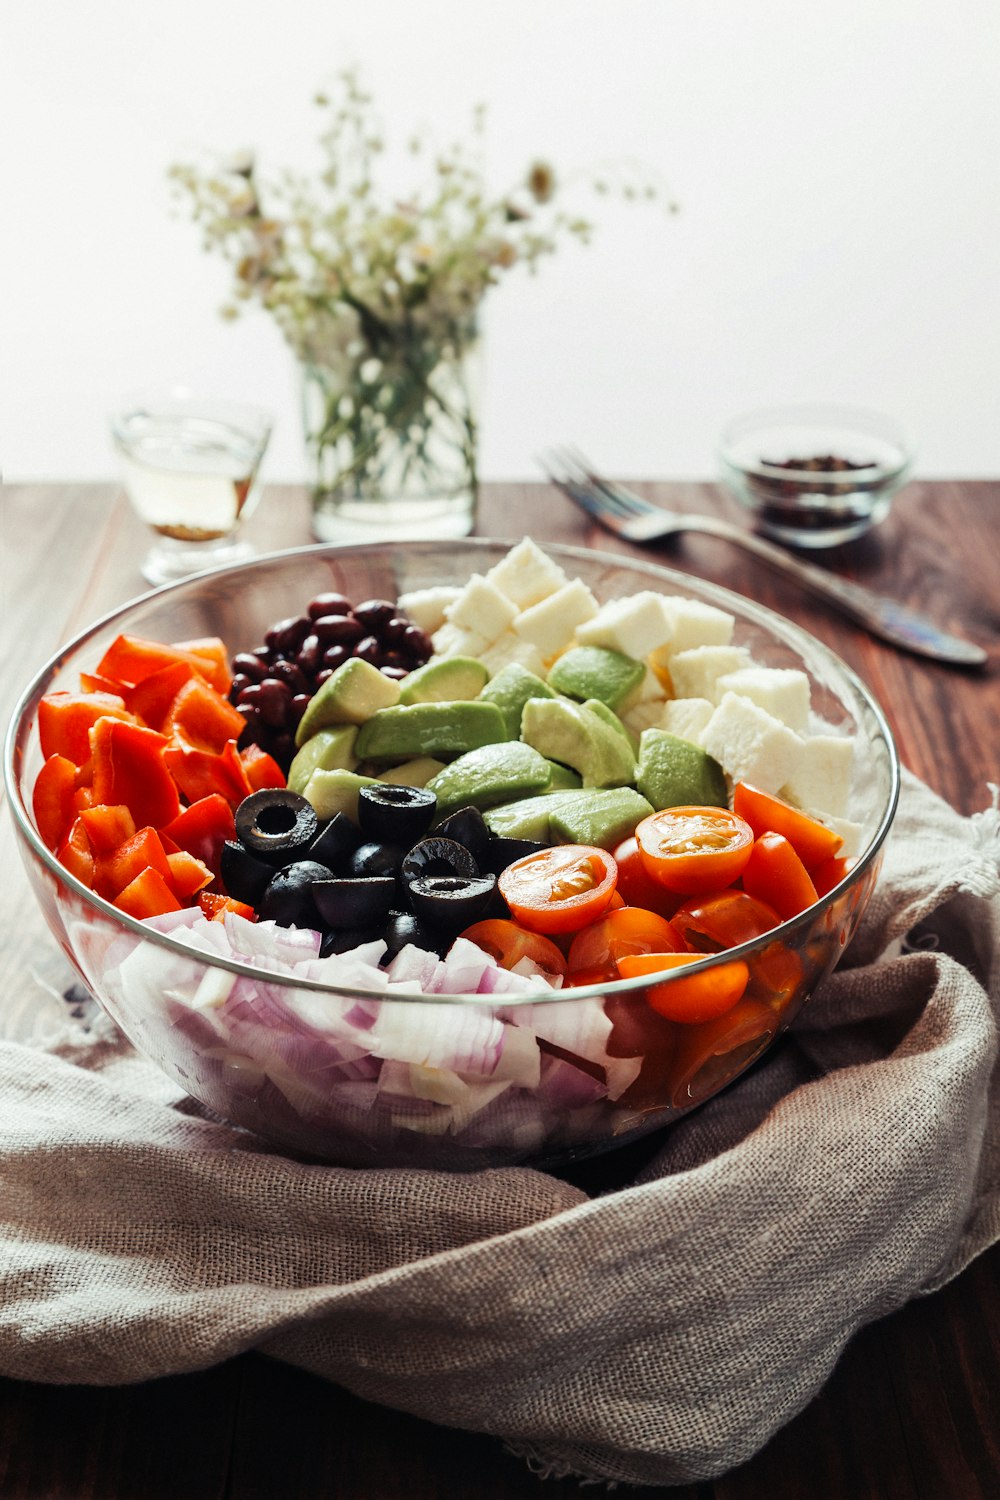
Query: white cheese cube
[695, 673]
[750, 744]
[687, 717]
[511, 648]
[783, 691]
[552, 624]
[481, 608]
[650, 689]
[426, 607]
[634, 626]
[526, 575]
[648, 715]
[692, 624]
[451, 640]
[822, 779]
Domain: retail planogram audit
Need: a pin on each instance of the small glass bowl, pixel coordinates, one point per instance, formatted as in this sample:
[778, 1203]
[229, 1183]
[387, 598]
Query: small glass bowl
[815, 476]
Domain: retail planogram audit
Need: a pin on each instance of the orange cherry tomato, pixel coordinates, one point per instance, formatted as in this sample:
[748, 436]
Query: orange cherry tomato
[775, 874]
[636, 884]
[559, 889]
[694, 849]
[699, 997]
[711, 1055]
[595, 950]
[723, 920]
[828, 874]
[508, 944]
[812, 841]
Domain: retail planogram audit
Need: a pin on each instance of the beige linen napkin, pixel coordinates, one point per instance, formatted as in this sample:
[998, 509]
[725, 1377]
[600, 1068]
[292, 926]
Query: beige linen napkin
[657, 1334]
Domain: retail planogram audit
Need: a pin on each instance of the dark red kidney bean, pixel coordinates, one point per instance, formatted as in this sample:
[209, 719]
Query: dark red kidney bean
[246, 664]
[299, 705]
[334, 655]
[308, 655]
[374, 613]
[252, 729]
[369, 648]
[322, 675]
[396, 673]
[287, 636]
[239, 682]
[275, 701]
[416, 643]
[395, 659]
[250, 697]
[283, 748]
[395, 629]
[328, 604]
[263, 653]
[287, 671]
[339, 630]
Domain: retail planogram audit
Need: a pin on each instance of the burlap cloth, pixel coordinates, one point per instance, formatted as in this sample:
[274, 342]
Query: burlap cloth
[656, 1334]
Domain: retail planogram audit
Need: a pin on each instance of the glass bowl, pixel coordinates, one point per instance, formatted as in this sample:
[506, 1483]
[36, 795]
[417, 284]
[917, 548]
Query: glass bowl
[815, 476]
[312, 1067]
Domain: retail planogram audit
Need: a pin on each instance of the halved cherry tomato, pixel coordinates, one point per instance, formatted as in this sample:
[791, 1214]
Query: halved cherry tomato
[723, 920]
[559, 889]
[812, 841]
[595, 950]
[636, 884]
[508, 944]
[215, 906]
[774, 873]
[712, 1054]
[694, 849]
[777, 972]
[699, 997]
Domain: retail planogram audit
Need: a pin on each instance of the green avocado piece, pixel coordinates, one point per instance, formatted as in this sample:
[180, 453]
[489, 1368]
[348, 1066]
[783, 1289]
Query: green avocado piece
[510, 690]
[600, 817]
[326, 750]
[612, 720]
[597, 672]
[492, 774]
[530, 817]
[675, 773]
[562, 779]
[450, 679]
[569, 733]
[412, 772]
[332, 792]
[439, 729]
[350, 695]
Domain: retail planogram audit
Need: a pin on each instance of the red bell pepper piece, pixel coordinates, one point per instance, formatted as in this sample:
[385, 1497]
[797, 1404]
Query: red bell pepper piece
[107, 827]
[212, 652]
[187, 875]
[148, 895]
[202, 829]
[66, 719]
[75, 854]
[130, 768]
[201, 719]
[90, 682]
[143, 851]
[199, 774]
[129, 659]
[151, 698]
[262, 770]
[52, 800]
[215, 906]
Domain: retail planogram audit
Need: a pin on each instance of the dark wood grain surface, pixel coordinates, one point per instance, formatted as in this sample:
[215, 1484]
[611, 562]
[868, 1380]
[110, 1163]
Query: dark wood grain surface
[912, 1411]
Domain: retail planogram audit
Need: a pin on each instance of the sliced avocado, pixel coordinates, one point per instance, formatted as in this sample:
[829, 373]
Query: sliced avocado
[351, 695]
[450, 679]
[599, 817]
[326, 750]
[597, 672]
[572, 734]
[412, 772]
[675, 773]
[405, 731]
[612, 720]
[332, 792]
[510, 690]
[530, 817]
[562, 779]
[492, 774]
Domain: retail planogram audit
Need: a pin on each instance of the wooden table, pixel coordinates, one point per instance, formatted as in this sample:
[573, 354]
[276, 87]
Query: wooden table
[912, 1411]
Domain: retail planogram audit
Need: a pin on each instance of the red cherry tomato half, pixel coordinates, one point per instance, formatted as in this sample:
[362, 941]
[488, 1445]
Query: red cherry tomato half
[812, 841]
[508, 944]
[636, 884]
[698, 997]
[694, 849]
[723, 920]
[595, 950]
[560, 889]
[774, 873]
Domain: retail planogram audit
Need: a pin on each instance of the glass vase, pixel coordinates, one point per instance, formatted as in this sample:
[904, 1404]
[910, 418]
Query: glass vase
[392, 445]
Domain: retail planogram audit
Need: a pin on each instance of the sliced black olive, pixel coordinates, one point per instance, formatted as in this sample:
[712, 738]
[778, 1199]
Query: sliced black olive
[375, 859]
[354, 903]
[403, 928]
[288, 899]
[503, 852]
[450, 902]
[346, 939]
[395, 814]
[436, 856]
[468, 826]
[335, 841]
[243, 874]
[276, 825]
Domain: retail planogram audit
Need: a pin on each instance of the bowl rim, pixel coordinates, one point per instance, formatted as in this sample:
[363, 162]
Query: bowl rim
[767, 619]
[816, 414]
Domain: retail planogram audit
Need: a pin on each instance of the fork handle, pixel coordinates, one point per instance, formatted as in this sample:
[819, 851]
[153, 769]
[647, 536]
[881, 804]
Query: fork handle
[884, 617]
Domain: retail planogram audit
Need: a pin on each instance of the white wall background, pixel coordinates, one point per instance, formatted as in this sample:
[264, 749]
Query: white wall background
[837, 166]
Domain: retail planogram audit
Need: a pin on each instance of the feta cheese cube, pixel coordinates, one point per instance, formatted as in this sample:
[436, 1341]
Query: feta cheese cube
[452, 640]
[783, 691]
[426, 607]
[750, 744]
[634, 626]
[647, 715]
[822, 779]
[650, 689]
[482, 609]
[692, 624]
[526, 575]
[686, 717]
[552, 624]
[695, 672]
[511, 648]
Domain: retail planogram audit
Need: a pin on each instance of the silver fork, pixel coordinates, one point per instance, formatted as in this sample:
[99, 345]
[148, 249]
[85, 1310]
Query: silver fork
[637, 520]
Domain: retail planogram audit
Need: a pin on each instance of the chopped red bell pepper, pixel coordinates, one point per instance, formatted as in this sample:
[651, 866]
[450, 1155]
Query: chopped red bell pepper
[148, 895]
[151, 698]
[107, 827]
[199, 718]
[75, 855]
[143, 851]
[130, 768]
[215, 906]
[52, 800]
[211, 649]
[90, 682]
[187, 875]
[262, 770]
[66, 719]
[202, 829]
[129, 659]
[199, 774]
